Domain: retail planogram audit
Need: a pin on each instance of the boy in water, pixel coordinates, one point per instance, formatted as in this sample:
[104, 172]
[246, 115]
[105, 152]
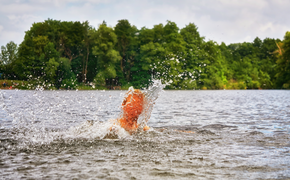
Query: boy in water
[132, 107]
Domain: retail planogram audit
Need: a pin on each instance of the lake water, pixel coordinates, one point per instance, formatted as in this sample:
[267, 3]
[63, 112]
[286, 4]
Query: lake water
[61, 135]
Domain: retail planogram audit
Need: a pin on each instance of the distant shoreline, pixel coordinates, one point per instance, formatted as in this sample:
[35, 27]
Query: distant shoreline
[13, 88]
[26, 85]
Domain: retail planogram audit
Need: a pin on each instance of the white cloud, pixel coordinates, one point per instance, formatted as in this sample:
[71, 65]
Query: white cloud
[20, 8]
[219, 20]
[249, 4]
[267, 27]
[5, 36]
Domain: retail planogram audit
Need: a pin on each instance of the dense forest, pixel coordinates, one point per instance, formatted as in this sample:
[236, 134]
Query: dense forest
[69, 55]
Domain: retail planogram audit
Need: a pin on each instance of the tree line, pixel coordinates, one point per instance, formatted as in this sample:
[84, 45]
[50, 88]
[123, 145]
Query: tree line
[61, 54]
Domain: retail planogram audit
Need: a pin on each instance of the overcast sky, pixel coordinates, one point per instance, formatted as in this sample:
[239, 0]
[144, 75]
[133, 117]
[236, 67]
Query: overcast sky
[230, 21]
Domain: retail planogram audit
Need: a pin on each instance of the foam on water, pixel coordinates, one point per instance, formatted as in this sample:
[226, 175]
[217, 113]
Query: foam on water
[100, 130]
[111, 128]
[34, 124]
[151, 95]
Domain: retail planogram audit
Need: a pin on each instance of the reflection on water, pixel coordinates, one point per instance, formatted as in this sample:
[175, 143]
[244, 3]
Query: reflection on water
[238, 135]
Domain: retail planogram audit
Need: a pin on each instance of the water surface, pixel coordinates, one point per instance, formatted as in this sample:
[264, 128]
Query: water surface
[237, 135]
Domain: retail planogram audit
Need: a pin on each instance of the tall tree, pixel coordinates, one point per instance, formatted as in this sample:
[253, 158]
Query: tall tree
[283, 63]
[193, 56]
[8, 56]
[86, 43]
[107, 56]
[126, 45]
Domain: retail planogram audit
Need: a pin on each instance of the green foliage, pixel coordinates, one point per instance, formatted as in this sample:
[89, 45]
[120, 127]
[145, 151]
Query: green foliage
[8, 53]
[107, 56]
[69, 83]
[8, 56]
[50, 69]
[127, 46]
[74, 55]
[283, 63]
